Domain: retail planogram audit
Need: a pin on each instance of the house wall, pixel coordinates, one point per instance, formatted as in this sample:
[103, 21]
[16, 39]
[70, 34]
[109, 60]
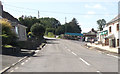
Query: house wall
[113, 32]
[1, 9]
[20, 30]
[22, 33]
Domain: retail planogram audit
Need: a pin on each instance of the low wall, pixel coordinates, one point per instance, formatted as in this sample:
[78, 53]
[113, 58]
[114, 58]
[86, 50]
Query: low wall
[12, 50]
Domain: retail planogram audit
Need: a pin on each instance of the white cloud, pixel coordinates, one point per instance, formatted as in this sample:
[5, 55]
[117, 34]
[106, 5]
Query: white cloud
[90, 13]
[85, 30]
[96, 6]
[60, 0]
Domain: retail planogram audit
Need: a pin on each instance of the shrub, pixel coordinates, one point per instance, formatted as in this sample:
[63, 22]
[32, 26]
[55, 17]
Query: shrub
[8, 36]
[38, 30]
[50, 34]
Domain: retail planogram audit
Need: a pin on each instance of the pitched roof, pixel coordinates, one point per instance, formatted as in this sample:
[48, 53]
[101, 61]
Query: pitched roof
[117, 18]
[9, 17]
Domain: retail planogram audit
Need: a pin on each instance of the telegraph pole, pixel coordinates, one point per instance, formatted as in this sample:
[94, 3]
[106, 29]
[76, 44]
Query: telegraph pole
[38, 15]
[65, 20]
[65, 24]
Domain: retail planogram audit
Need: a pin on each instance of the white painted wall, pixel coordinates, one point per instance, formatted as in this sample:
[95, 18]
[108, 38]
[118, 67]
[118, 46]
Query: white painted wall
[0, 9]
[114, 31]
[22, 33]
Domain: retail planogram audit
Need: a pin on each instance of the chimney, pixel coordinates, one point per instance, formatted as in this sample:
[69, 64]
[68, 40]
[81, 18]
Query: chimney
[1, 8]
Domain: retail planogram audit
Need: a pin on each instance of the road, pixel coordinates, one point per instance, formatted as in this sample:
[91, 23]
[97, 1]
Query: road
[67, 56]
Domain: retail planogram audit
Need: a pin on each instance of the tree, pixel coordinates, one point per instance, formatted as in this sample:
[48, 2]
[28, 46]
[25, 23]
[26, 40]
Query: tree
[38, 30]
[50, 30]
[28, 21]
[60, 30]
[101, 23]
[8, 36]
[49, 22]
[73, 26]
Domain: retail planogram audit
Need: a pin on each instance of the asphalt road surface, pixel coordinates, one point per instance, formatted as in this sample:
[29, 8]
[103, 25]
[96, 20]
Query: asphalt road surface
[67, 56]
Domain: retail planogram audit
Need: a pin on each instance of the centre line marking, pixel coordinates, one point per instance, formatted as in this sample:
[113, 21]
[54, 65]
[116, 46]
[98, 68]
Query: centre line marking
[12, 71]
[35, 54]
[16, 68]
[26, 61]
[29, 58]
[37, 51]
[68, 49]
[84, 61]
[99, 72]
[22, 63]
[74, 53]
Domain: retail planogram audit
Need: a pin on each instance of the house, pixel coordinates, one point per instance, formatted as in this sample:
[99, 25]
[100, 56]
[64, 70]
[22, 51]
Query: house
[111, 33]
[90, 36]
[19, 29]
[101, 37]
[1, 7]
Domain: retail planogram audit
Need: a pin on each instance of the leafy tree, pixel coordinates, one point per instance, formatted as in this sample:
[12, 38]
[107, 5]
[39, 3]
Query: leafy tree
[28, 21]
[73, 27]
[101, 23]
[50, 22]
[60, 30]
[8, 36]
[50, 30]
[50, 34]
[46, 22]
[38, 30]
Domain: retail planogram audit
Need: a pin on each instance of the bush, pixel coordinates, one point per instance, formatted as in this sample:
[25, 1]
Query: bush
[8, 36]
[38, 30]
[50, 34]
[49, 30]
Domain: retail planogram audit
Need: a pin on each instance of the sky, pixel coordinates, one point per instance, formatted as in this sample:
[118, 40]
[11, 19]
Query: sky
[87, 12]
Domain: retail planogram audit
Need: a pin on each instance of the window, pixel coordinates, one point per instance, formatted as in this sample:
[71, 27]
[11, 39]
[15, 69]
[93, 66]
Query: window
[117, 42]
[117, 27]
[110, 29]
[16, 29]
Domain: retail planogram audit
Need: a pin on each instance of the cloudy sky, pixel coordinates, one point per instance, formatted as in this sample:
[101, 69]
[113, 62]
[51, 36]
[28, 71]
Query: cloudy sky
[87, 12]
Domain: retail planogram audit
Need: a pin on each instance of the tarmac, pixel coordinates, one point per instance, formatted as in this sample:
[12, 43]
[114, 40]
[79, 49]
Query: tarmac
[9, 61]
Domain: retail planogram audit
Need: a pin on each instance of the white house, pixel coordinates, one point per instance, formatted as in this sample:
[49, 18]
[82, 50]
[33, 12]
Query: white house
[114, 32]
[111, 33]
[19, 29]
[101, 35]
[1, 9]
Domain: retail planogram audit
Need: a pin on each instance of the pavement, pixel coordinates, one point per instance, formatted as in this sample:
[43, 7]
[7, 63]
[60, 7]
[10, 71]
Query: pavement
[107, 48]
[9, 61]
[60, 55]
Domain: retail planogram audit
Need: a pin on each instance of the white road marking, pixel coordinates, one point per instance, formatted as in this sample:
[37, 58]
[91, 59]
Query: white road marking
[26, 61]
[29, 58]
[84, 61]
[68, 49]
[16, 68]
[13, 64]
[112, 56]
[99, 72]
[22, 63]
[12, 71]
[35, 54]
[74, 53]
[37, 51]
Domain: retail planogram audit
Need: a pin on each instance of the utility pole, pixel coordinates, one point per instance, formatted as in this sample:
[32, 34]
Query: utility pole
[38, 15]
[65, 24]
[65, 20]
